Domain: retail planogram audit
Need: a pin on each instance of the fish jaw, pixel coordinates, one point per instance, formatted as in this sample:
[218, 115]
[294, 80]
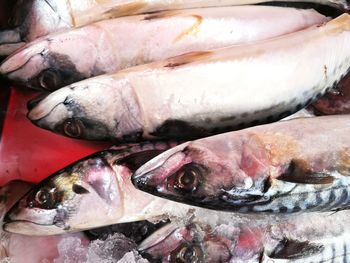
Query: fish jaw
[68, 111]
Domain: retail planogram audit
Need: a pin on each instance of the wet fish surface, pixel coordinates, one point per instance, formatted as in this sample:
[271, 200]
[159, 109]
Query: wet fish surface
[307, 238]
[108, 46]
[35, 18]
[285, 167]
[93, 192]
[202, 93]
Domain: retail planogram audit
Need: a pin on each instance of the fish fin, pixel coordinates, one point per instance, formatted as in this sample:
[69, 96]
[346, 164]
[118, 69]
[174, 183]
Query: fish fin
[136, 160]
[293, 249]
[298, 172]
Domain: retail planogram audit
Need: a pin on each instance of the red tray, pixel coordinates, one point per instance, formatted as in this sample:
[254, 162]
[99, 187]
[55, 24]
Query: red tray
[28, 152]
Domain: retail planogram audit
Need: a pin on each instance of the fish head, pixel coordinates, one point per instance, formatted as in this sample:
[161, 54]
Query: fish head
[190, 243]
[77, 111]
[207, 174]
[92, 192]
[173, 243]
[50, 62]
[32, 19]
[69, 200]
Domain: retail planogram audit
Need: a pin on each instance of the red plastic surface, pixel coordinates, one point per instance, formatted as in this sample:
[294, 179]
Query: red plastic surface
[30, 153]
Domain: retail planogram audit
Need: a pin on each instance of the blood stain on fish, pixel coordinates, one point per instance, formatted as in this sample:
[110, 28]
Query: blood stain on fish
[194, 29]
[124, 10]
[186, 59]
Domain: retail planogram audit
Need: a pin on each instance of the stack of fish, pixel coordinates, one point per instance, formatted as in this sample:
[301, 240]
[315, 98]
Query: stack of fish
[194, 95]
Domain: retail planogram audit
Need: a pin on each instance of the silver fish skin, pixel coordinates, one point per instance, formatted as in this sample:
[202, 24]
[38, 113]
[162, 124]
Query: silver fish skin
[35, 18]
[111, 45]
[24, 249]
[202, 93]
[93, 192]
[285, 167]
[316, 237]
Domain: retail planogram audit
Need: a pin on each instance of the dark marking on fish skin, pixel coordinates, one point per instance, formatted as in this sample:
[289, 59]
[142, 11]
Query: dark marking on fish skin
[345, 250]
[296, 209]
[187, 59]
[124, 10]
[60, 72]
[283, 209]
[325, 71]
[78, 189]
[133, 137]
[179, 129]
[298, 172]
[293, 249]
[137, 159]
[160, 15]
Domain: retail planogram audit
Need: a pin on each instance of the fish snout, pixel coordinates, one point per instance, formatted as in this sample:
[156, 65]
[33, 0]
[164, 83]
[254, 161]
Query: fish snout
[34, 102]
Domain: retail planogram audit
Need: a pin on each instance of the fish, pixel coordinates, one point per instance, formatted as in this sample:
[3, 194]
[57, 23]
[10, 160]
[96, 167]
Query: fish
[32, 19]
[336, 101]
[93, 192]
[306, 238]
[300, 165]
[202, 93]
[106, 47]
[23, 249]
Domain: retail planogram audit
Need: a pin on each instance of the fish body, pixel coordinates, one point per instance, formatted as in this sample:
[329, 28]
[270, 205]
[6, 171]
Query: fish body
[93, 192]
[35, 18]
[337, 101]
[111, 45]
[305, 238]
[202, 93]
[285, 167]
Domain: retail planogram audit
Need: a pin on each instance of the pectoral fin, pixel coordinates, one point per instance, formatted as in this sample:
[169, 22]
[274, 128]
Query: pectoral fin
[298, 172]
[293, 249]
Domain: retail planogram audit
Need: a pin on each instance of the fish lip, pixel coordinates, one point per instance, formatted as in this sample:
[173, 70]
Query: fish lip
[21, 57]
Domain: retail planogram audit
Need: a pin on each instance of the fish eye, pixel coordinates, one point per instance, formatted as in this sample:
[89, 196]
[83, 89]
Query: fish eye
[73, 128]
[187, 179]
[46, 198]
[48, 79]
[188, 254]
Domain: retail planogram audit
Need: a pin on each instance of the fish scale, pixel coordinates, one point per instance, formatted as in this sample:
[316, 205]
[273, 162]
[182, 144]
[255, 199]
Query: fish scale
[154, 101]
[285, 167]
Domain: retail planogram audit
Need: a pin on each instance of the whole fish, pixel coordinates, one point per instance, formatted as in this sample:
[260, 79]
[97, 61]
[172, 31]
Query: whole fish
[202, 93]
[305, 238]
[34, 18]
[93, 192]
[336, 101]
[108, 46]
[284, 167]
[24, 249]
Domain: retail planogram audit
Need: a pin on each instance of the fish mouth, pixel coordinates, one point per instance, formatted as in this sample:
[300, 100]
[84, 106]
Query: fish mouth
[41, 108]
[20, 60]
